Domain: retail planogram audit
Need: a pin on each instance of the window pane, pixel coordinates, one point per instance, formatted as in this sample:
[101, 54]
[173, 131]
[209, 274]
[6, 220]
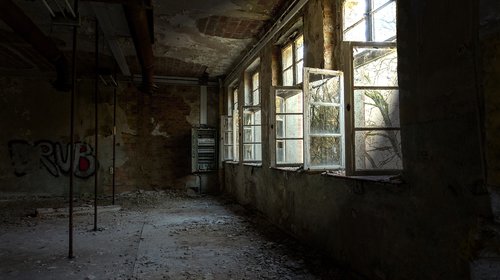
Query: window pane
[375, 67]
[324, 119]
[255, 81]
[300, 72]
[289, 151]
[324, 88]
[384, 23]
[376, 108]
[354, 11]
[287, 56]
[256, 97]
[289, 126]
[378, 149]
[379, 3]
[299, 48]
[252, 152]
[236, 135]
[356, 33]
[252, 134]
[288, 77]
[228, 138]
[228, 152]
[252, 116]
[289, 101]
[325, 151]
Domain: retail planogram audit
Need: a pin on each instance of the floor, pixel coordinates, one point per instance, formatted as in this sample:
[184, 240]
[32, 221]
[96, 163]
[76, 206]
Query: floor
[156, 235]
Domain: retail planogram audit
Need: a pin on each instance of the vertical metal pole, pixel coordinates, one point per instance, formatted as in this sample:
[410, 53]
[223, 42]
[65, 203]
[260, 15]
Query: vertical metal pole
[96, 108]
[72, 150]
[114, 139]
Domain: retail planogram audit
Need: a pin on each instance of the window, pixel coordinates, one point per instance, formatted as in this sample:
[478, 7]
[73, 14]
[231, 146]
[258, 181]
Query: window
[230, 126]
[373, 90]
[252, 119]
[324, 120]
[236, 125]
[371, 81]
[292, 61]
[370, 20]
[288, 124]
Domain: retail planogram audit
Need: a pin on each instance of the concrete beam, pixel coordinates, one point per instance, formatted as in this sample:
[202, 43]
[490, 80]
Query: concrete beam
[102, 15]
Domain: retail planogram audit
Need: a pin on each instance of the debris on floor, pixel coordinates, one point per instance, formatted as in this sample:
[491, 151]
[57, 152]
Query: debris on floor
[158, 235]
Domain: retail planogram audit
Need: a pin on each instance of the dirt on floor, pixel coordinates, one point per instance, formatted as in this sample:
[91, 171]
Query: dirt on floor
[156, 235]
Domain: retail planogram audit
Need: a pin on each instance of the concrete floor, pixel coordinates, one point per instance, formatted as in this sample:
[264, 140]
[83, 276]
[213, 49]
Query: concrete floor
[155, 236]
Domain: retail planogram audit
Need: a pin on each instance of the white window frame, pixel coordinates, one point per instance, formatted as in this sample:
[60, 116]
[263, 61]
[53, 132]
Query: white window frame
[292, 43]
[274, 128]
[347, 49]
[252, 92]
[369, 20]
[307, 119]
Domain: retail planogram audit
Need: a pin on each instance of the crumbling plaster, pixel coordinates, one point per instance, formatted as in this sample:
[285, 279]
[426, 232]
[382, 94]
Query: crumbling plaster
[423, 228]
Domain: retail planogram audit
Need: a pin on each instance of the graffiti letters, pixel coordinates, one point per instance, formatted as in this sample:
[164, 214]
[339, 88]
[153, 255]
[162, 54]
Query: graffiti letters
[52, 156]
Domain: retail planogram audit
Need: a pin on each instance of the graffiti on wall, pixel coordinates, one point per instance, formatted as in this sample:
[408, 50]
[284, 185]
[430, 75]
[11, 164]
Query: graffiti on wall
[53, 156]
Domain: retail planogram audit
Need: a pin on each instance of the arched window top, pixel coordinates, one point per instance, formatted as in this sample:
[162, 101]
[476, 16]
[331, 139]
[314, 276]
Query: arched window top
[369, 20]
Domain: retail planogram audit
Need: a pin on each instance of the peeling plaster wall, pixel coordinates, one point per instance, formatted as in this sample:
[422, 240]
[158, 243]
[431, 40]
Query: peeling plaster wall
[425, 228]
[152, 141]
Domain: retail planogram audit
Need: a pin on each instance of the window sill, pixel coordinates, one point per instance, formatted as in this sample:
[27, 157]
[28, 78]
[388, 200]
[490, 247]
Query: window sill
[252, 164]
[387, 179]
[232, 162]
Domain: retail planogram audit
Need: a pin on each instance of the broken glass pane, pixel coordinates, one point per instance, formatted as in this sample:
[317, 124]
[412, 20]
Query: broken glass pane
[325, 151]
[378, 149]
[375, 66]
[324, 119]
[376, 108]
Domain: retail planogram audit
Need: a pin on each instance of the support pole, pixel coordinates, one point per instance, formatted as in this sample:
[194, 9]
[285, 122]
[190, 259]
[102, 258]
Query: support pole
[96, 109]
[72, 135]
[114, 139]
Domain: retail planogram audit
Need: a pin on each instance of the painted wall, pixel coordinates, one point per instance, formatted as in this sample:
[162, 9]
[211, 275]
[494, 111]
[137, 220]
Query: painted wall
[152, 141]
[427, 227]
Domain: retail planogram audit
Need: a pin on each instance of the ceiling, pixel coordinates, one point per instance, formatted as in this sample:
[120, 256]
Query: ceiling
[191, 36]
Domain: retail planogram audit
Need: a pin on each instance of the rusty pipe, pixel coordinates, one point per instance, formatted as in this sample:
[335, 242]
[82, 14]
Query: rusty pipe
[23, 26]
[139, 25]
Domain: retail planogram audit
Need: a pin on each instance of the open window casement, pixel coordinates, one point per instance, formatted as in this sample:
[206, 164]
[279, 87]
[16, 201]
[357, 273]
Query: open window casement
[324, 134]
[287, 127]
[227, 138]
[372, 97]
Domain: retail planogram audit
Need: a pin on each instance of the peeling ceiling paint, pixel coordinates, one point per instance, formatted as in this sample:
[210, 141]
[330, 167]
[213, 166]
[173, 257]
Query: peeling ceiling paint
[191, 37]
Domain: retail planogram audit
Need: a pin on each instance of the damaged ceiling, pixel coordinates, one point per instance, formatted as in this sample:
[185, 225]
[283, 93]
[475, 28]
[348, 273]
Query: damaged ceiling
[191, 38]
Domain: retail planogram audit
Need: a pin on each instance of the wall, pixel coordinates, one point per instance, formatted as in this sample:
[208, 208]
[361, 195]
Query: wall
[152, 143]
[426, 227]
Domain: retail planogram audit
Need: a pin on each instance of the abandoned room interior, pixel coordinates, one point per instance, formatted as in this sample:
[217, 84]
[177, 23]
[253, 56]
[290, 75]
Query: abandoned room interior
[250, 139]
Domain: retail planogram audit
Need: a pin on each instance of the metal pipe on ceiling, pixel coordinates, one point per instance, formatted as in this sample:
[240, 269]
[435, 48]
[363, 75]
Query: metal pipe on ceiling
[23, 26]
[139, 25]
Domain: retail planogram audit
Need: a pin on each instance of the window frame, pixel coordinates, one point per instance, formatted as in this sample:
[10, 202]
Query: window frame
[250, 90]
[368, 17]
[307, 119]
[273, 126]
[347, 50]
[292, 43]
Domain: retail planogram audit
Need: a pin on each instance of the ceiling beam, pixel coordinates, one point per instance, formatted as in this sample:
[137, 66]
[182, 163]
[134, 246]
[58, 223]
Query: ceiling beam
[102, 15]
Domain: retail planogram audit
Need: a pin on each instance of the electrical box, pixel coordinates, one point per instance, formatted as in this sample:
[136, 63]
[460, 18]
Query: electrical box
[203, 149]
